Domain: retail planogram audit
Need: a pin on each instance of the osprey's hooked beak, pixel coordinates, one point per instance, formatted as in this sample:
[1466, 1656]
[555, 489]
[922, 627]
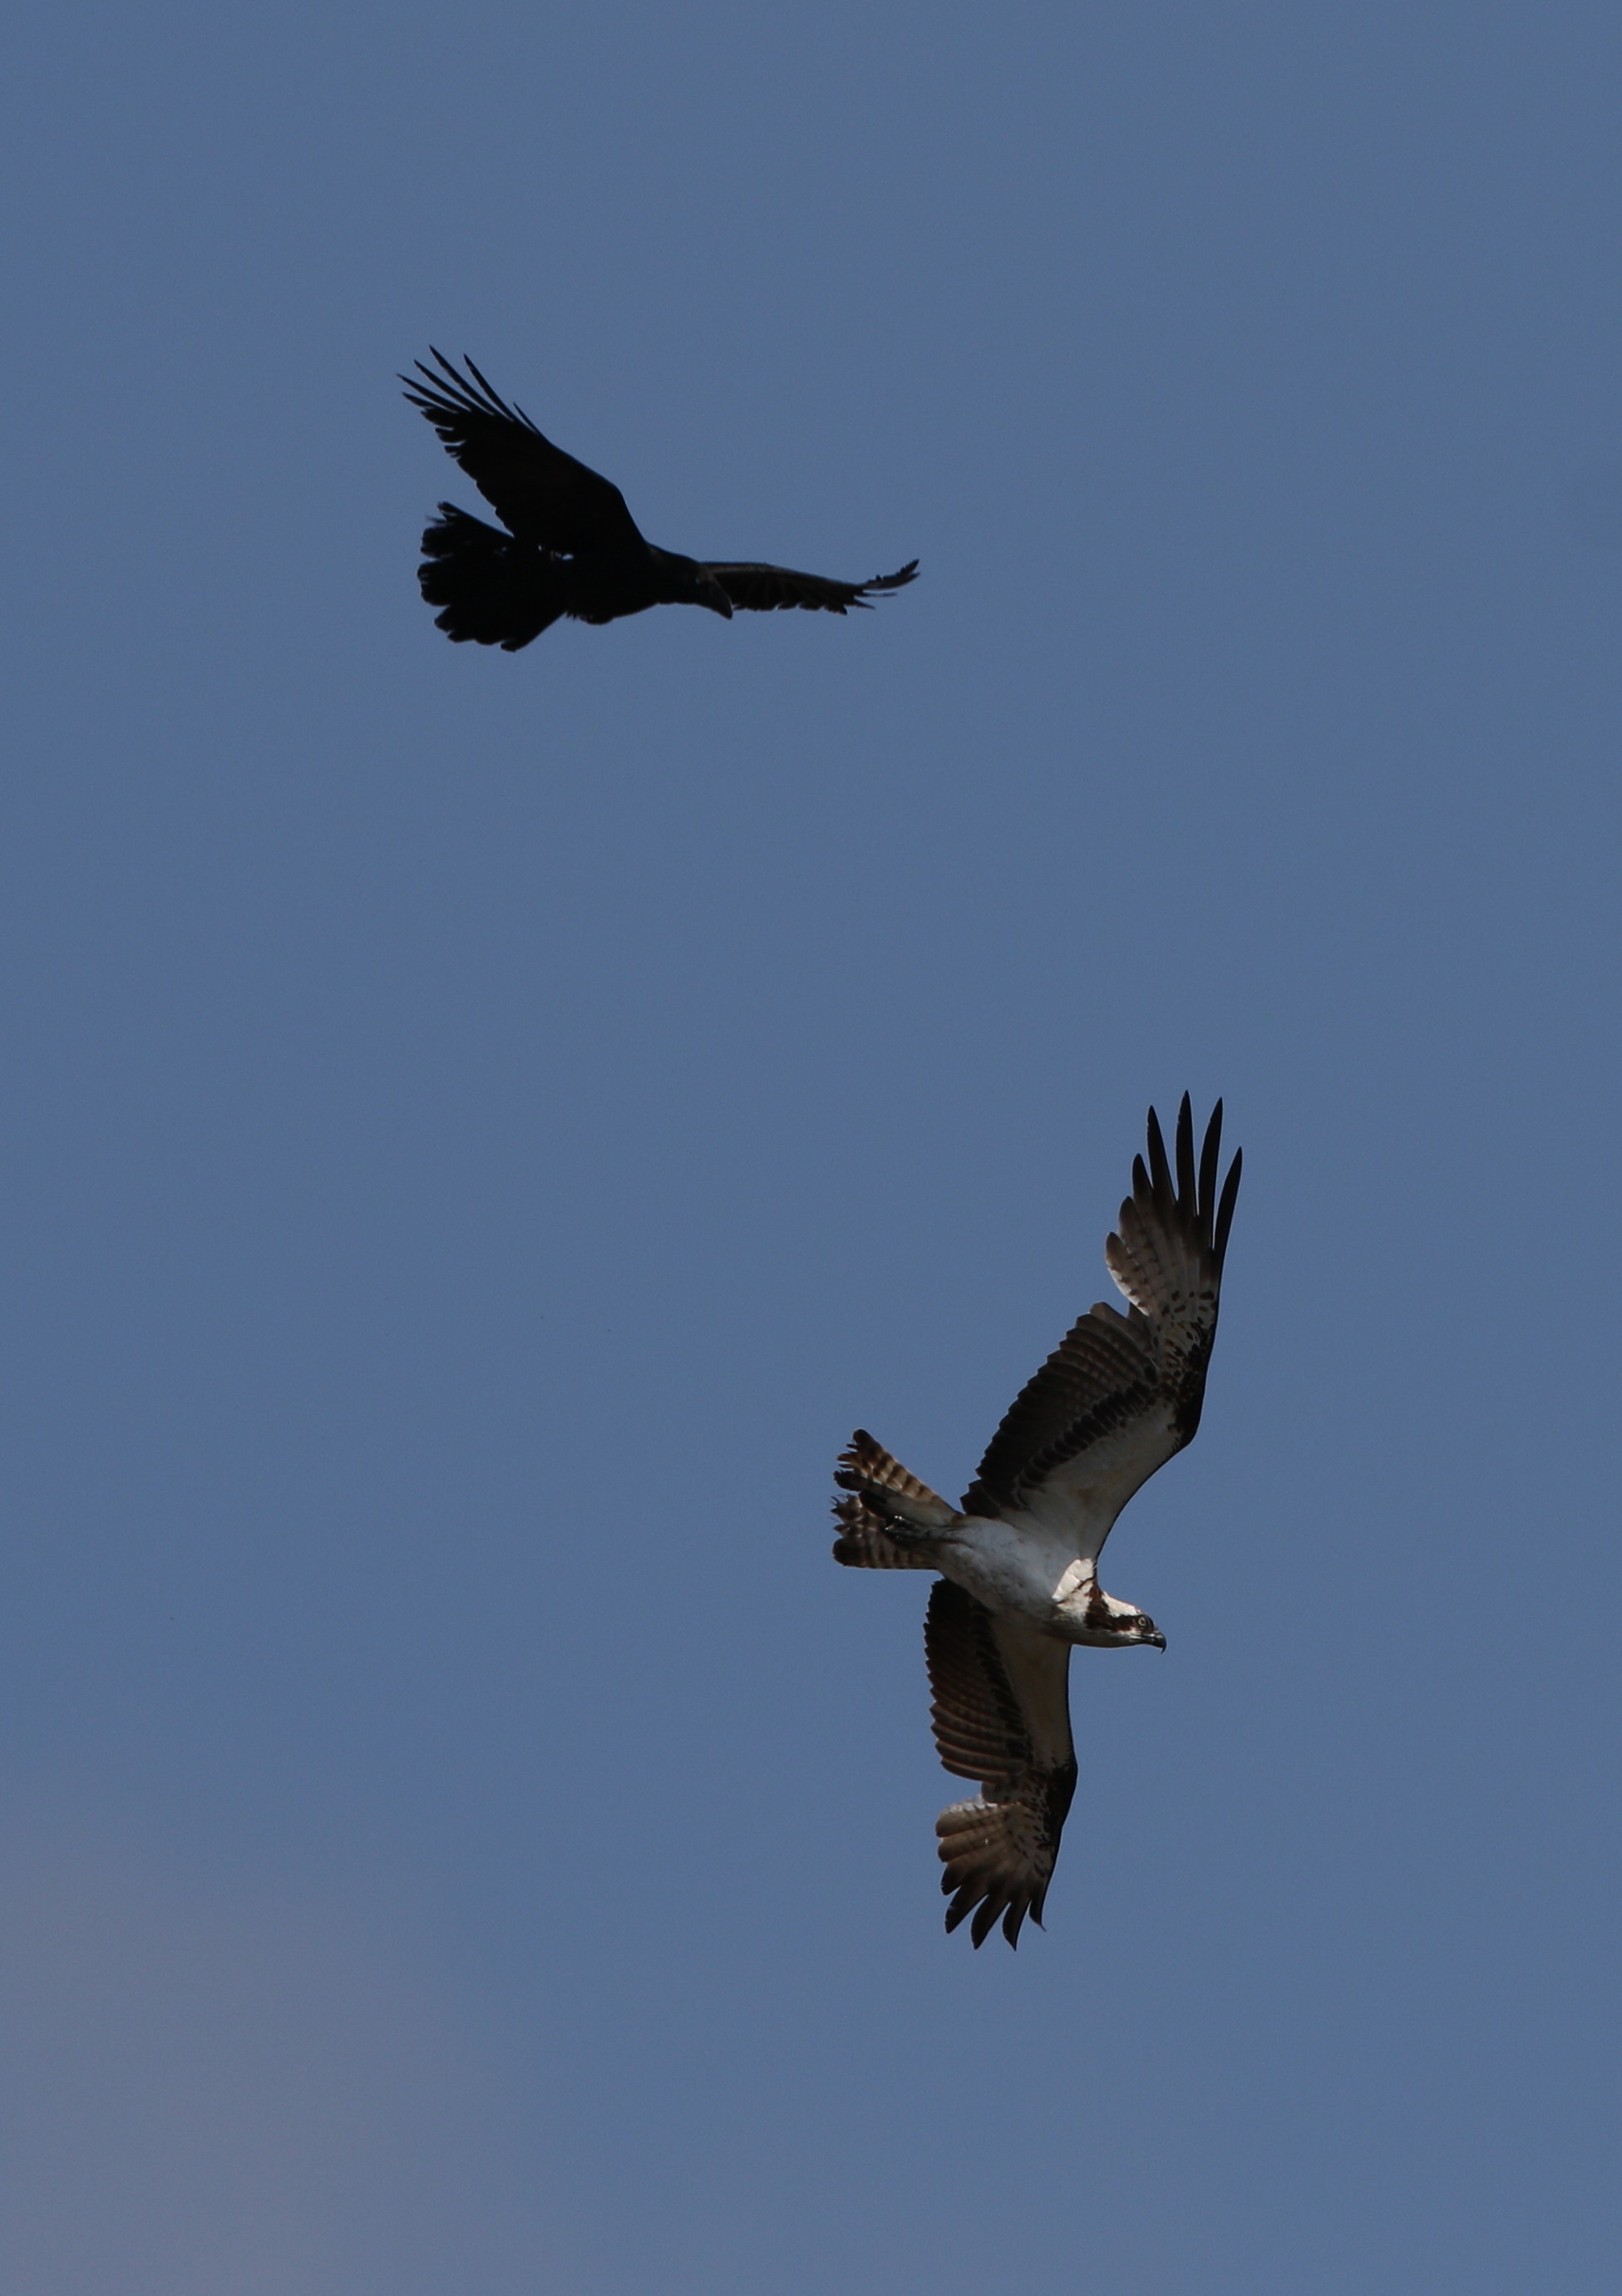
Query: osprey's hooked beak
[1157, 1640]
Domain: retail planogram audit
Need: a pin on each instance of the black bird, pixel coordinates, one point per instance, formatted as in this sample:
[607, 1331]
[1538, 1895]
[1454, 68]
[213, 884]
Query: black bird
[572, 547]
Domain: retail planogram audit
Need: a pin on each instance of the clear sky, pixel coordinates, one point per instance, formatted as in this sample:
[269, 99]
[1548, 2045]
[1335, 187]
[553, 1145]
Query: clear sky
[477, 1132]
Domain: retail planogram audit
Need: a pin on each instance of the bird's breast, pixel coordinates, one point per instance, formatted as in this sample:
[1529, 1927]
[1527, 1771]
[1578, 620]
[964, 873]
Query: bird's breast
[1019, 1567]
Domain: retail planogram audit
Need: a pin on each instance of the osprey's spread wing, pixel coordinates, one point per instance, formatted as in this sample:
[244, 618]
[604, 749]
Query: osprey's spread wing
[1122, 1393]
[544, 494]
[1001, 1712]
[760, 588]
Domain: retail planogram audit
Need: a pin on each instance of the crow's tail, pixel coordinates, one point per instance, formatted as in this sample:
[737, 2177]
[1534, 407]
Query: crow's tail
[489, 588]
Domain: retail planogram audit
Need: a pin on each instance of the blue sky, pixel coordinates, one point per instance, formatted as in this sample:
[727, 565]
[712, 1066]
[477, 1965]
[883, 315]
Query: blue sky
[478, 1132]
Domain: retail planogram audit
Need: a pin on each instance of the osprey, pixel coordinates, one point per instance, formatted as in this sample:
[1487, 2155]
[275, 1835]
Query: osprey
[574, 547]
[1018, 1560]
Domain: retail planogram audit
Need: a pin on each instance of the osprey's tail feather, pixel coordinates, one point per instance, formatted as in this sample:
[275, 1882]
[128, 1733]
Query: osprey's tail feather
[867, 1467]
[491, 589]
[865, 1545]
[888, 1504]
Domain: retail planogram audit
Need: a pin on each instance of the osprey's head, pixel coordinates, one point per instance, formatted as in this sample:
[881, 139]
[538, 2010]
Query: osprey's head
[1089, 1615]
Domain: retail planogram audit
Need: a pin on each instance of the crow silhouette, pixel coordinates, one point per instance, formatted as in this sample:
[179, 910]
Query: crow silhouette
[571, 548]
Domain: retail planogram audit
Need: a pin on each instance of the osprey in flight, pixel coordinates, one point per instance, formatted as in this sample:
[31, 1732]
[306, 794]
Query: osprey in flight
[572, 547]
[1018, 1561]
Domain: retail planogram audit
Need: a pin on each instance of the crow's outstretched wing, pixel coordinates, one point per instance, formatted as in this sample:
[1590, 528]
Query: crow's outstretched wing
[544, 494]
[759, 589]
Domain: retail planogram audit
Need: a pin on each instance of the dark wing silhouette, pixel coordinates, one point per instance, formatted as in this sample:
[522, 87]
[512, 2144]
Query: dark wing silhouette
[1001, 1712]
[760, 588]
[1121, 1394]
[543, 493]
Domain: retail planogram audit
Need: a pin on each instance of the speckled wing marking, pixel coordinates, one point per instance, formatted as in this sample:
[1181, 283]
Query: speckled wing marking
[1100, 1380]
[1135, 1381]
[1167, 1254]
[1000, 1702]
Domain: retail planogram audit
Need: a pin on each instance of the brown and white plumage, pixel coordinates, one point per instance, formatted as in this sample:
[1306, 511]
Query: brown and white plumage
[1118, 1397]
[1001, 1712]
